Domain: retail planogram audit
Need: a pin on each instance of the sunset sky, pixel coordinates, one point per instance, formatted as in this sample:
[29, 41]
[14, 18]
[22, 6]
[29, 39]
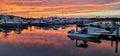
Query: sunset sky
[64, 8]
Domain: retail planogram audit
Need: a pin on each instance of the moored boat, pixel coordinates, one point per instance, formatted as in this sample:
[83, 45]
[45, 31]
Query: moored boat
[88, 32]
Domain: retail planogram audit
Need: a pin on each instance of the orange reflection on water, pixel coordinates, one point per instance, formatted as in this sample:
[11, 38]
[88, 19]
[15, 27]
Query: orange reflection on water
[36, 37]
[39, 38]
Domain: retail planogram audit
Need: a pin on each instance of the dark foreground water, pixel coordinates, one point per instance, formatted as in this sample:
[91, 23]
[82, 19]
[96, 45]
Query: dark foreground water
[37, 41]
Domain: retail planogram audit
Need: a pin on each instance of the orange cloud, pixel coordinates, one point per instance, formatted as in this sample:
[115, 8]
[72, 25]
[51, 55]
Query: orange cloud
[38, 8]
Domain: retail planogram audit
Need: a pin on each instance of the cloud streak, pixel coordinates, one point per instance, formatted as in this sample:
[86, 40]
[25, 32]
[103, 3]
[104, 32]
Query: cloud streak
[37, 8]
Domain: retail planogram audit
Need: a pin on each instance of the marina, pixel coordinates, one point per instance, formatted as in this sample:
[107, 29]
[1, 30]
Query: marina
[60, 28]
[56, 33]
[31, 41]
[88, 28]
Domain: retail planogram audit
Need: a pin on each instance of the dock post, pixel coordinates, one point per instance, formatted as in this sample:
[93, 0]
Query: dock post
[117, 35]
[111, 37]
[116, 46]
[76, 28]
[117, 31]
[111, 42]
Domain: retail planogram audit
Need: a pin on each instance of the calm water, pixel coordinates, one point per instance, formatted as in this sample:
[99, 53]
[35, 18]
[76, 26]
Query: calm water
[37, 41]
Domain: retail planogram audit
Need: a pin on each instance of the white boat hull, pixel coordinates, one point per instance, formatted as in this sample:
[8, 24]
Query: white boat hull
[82, 35]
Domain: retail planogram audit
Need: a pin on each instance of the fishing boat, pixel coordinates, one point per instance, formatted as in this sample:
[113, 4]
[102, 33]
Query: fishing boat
[88, 32]
[107, 26]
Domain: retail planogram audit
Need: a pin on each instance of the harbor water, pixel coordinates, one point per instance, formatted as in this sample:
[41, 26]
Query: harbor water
[51, 41]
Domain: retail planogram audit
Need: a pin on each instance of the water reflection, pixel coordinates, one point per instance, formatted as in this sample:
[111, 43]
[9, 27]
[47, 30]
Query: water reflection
[19, 29]
[85, 41]
[46, 41]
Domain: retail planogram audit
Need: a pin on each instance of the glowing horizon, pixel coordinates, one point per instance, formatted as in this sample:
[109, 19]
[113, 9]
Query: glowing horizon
[62, 8]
